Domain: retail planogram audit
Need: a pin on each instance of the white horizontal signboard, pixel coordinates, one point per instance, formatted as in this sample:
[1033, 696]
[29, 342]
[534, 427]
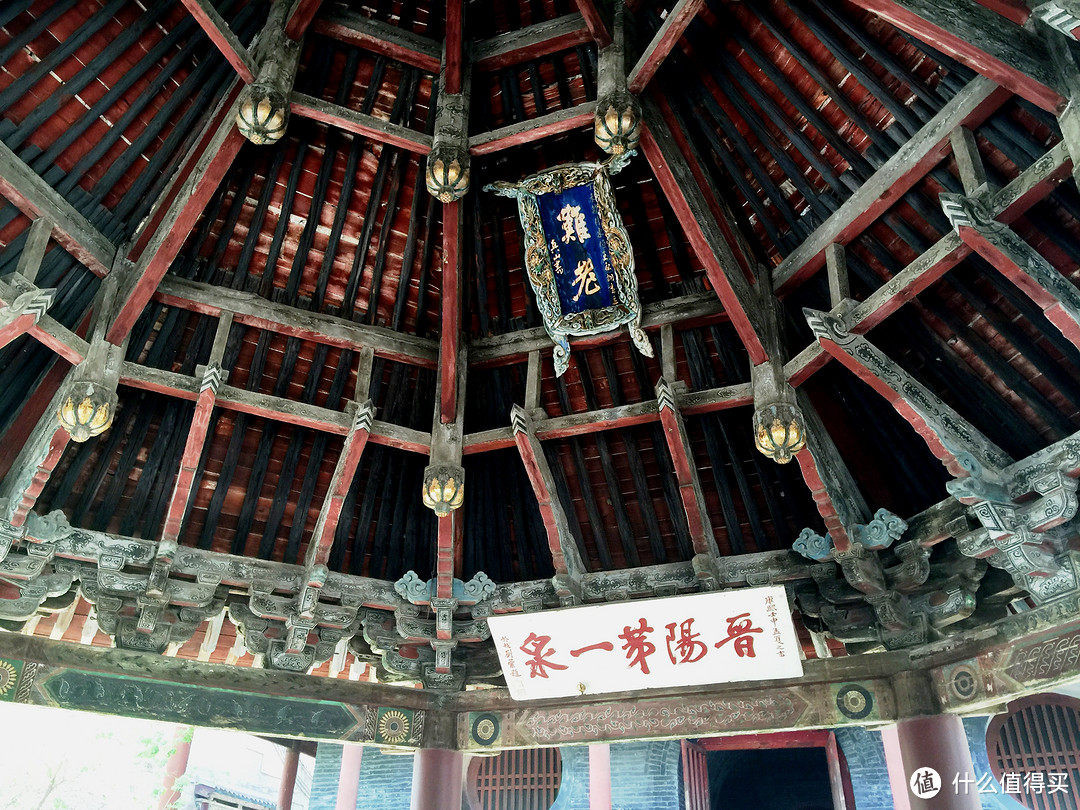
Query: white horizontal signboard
[718, 637]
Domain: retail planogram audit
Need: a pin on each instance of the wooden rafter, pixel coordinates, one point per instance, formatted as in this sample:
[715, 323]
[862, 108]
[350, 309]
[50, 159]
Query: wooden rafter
[212, 377]
[22, 186]
[544, 126]
[594, 21]
[359, 123]
[381, 38]
[676, 21]
[983, 40]
[322, 538]
[202, 171]
[251, 310]
[531, 42]
[702, 231]
[970, 107]
[300, 16]
[1006, 205]
[223, 37]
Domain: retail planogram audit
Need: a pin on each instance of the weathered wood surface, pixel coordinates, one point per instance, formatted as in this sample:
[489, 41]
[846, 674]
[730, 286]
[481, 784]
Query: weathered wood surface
[515, 346]
[984, 41]
[534, 129]
[267, 406]
[203, 169]
[889, 183]
[223, 37]
[678, 17]
[704, 234]
[33, 252]
[1006, 205]
[251, 310]
[621, 416]
[530, 42]
[381, 38]
[36, 199]
[359, 123]
[300, 17]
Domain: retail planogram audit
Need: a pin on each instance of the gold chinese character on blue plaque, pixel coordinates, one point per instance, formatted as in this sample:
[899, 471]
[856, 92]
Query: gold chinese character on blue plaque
[577, 254]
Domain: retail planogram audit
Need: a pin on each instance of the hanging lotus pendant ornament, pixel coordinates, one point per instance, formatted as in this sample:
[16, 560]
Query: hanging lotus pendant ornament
[86, 409]
[447, 175]
[444, 488]
[617, 125]
[263, 114]
[779, 432]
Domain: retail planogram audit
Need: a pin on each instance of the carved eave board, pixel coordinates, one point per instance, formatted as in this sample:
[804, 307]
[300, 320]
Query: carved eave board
[577, 255]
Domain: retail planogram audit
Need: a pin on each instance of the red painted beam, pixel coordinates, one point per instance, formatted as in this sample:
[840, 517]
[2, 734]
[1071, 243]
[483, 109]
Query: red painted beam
[969, 53]
[360, 124]
[825, 507]
[680, 204]
[656, 51]
[544, 498]
[455, 13]
[45, 467]
[218, 31]
[15, 328]
[400, 51]
[514, 135]
[444, 559]
[189, 463]
[1055, 312]
[534, 50]
[450, 325]
[206, 168]
[1015, 10]
[322, 539]
[678, 132]
[697, 518]
[594, 21]
[300, 17]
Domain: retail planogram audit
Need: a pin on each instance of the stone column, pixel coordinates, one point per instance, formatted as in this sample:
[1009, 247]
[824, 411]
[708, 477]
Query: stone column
[436, 783]
[288, 777]
[936, 742]
[176, 767]
[349, 776]
[600, 777]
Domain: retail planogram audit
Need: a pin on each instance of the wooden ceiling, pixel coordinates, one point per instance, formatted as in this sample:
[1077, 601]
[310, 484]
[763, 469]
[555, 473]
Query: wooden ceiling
[792, 108]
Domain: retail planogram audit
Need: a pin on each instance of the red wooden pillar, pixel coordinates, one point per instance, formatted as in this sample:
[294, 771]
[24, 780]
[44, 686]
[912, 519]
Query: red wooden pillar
[600, 777]
[288, 777]
[436, 782]
[176, 767]
[349, 777]
[937, 742]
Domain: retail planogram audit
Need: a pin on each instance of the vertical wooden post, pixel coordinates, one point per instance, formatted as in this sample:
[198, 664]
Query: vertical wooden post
[176, 766]
[437, 779]
[352, 756]
[289, 770]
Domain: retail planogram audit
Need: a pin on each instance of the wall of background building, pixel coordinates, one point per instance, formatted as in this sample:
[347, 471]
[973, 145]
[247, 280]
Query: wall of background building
[385, 779]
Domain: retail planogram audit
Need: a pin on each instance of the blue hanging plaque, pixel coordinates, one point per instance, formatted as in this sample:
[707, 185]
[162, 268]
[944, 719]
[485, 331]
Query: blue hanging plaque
[577, 254]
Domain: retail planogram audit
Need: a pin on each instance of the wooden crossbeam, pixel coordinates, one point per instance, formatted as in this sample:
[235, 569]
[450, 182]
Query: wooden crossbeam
[981, 39]
[359, 123]
[223, 37]
[692, 209]
[450, 302]
[300, 16]
[913, 161]
[690, 491]
[251, 310]
[212, 377]
[530, 42]
[267, 406]
[202, 171]
[693, 403]
[566, 555]
[534, 129]
[675, 23]
[514, 347]
[1054, 294]
[22, 186]
[381, 38]
[453, 45]
[950, 437]
[1006, 205]
[594, 21]
[322, 538]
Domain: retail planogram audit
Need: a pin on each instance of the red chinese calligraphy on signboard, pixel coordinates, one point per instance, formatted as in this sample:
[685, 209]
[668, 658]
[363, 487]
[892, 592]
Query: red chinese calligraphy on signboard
[744, 635]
